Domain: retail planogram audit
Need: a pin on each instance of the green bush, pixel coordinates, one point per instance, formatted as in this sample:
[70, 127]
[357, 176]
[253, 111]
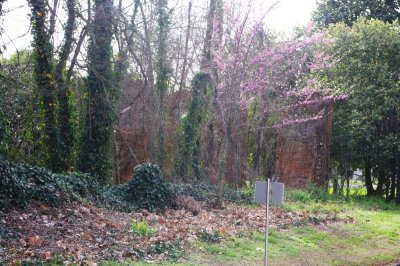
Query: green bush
[115, 197]
[299, 196]
[147, 189]
[20, 183]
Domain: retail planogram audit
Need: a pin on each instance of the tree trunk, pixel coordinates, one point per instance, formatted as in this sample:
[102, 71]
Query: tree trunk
[205, 66]
[64, 113]
[381, 182]
[392, 195]
[206, 60]
[45, 82]
[348, 175]
[94, 156]
[342, 182]
[398, 178]
[260, 144]
[149, 84]
[368, 178]
[163, 76]
[185, 59]
[335, 185]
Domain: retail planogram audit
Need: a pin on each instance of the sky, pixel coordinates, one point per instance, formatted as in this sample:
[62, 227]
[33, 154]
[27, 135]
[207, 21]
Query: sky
[286, 15]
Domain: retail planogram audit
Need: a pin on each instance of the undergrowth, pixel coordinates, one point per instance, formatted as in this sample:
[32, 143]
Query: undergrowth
[208, 192]
[147, 189]
[214, 237]
[140, 228]
[20, 183]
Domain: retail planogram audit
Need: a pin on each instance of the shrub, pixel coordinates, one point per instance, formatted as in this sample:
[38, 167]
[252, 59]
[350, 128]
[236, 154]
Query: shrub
[20, 183]
[148, 189]
[317, 192]
[299, 196]
[115, 197]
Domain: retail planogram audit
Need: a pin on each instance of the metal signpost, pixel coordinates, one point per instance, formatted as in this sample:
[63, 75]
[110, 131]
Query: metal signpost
[269, 193]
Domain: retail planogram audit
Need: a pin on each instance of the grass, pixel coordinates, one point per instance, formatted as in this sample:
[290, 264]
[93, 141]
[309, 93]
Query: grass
[141, 228]
[372, 239]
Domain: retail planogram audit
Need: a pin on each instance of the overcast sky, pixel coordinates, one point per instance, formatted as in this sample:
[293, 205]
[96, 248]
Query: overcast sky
[286, 15]
[289, 14]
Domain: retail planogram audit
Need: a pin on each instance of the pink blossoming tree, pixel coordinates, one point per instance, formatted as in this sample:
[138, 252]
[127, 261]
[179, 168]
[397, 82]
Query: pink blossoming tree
[261, 83]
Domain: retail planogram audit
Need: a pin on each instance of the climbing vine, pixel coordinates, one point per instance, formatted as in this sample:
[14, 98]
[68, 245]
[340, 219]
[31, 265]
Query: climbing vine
[189, 148]
[94, 155]
[64, 91]
[163, 73]
[43, 72]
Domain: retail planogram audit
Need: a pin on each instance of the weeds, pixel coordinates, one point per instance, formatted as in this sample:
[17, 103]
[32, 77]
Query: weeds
[140, 228]
[214, 237]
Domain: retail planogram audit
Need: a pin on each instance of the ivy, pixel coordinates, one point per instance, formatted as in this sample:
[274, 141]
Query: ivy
[94, 155]
[210, 193]
[43, 70]
[21, 183]
[67, 138]
[189, 147]
[147, 189]
[163, 74]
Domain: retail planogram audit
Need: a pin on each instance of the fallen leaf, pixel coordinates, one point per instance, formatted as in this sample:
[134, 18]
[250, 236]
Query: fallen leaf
[47, 255]
[99, 225]
[85, 210]
[87, 235]
[35, 241]
[61, 244]
[44, 207]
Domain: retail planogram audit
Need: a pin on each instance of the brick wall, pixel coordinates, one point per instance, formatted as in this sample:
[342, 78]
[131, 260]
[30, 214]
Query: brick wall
[303, 151]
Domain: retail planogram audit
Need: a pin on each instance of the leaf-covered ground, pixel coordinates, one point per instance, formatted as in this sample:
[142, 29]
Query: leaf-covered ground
[83, 233]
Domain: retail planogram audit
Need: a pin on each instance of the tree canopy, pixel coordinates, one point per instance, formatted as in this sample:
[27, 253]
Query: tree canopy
[366, 69]
[347, 11]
